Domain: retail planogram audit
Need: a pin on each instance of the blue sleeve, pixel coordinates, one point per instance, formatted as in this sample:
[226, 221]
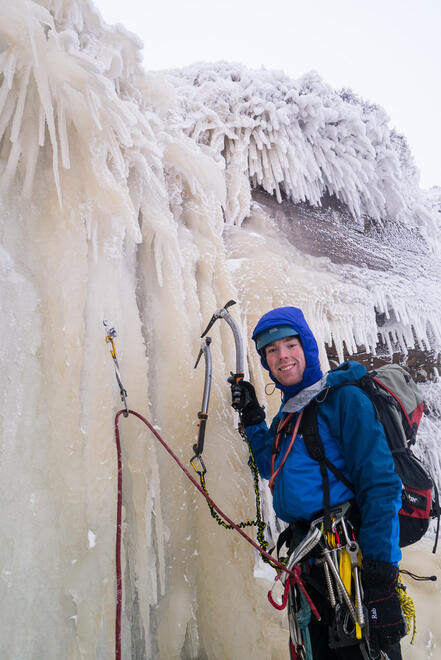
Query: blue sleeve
[372, 471]
[261, 440]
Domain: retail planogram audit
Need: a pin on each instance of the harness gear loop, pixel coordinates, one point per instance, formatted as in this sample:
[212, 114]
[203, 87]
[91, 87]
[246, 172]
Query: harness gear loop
[111, 335]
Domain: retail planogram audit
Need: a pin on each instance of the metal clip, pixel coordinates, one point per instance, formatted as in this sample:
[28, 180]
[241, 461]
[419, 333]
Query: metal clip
[192, 463]
[111, 335]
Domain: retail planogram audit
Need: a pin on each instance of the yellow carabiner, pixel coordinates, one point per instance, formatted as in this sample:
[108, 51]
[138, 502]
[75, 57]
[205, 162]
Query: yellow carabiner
[113, 349]
[192, 463]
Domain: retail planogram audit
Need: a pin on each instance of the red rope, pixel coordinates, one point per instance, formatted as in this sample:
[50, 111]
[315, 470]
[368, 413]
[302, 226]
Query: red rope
[118, 546]
[294, 574]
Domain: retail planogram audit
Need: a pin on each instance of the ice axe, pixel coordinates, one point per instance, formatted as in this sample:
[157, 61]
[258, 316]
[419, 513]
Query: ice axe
[198, 447]
[223, 313]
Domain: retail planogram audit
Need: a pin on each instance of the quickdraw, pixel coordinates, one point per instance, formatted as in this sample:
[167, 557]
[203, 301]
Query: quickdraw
[110, 337]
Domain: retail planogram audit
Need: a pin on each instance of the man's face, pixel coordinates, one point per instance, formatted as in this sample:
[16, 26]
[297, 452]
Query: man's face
[286, 360]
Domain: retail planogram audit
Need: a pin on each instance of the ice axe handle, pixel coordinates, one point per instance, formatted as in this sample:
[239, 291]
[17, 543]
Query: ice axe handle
[235, 379]
[198, 448]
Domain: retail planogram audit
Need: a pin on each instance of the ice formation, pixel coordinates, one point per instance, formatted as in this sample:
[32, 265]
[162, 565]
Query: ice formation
[129, 196]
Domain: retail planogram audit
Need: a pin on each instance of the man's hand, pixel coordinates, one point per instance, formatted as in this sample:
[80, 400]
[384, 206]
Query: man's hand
[385, 618]
[244, 400]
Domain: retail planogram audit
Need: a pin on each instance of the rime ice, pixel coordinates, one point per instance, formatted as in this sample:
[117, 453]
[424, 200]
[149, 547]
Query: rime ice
[132, 197]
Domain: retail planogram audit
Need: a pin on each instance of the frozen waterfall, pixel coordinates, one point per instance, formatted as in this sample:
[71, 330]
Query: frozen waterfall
[150, 200]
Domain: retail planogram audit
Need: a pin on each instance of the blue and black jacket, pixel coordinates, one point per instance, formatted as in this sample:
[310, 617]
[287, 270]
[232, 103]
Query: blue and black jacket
[353, 441]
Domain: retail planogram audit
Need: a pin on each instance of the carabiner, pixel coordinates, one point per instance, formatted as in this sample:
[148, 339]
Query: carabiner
[284, 595]
[199, 458]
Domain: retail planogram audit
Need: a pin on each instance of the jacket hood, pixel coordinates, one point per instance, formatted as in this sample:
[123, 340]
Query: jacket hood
[292, 316]
[347, 372]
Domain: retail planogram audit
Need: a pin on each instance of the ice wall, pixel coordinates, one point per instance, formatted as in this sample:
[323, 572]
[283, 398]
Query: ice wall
[117, 204]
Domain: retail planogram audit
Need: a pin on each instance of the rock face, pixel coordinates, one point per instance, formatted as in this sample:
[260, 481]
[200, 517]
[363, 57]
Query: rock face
[390, 250]
[329, 231]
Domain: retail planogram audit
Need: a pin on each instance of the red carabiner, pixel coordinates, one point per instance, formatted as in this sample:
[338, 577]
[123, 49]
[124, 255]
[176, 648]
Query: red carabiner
[281, 606]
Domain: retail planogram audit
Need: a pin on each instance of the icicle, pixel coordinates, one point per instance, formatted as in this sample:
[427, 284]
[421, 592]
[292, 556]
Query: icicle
[62, 132]
[12, 163]
[18, 116]
[47, 103]
[10, 65]
[4, 91]
[8, 110]
[30, 152]
[41, 125]
[157, 255]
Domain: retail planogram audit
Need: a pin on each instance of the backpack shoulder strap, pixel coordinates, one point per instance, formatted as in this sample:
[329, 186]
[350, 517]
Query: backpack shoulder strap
[316, 450]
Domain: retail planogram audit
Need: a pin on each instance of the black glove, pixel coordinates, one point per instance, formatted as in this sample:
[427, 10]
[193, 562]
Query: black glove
[244, 400]
[385, 618]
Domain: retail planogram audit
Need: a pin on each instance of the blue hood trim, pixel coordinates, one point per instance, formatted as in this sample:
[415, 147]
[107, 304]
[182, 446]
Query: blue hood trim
[292, 316]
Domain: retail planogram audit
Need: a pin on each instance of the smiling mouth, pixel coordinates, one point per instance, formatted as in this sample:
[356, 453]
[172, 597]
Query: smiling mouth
[287, 367]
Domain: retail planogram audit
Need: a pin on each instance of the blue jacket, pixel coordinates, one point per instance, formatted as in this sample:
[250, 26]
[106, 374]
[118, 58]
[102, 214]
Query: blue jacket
[353, 440]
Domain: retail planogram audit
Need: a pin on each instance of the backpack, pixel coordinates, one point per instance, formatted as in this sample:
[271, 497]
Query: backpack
[399, 407]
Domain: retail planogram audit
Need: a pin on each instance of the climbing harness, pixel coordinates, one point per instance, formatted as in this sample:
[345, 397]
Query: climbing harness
[338, 553]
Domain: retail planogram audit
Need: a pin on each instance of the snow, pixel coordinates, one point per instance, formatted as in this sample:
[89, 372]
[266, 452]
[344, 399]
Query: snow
[131, 196]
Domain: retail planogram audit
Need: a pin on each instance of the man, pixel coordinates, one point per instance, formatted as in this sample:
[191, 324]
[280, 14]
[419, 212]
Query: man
[354, 442]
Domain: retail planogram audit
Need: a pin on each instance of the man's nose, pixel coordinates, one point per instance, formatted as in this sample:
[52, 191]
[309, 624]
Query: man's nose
[283, 352]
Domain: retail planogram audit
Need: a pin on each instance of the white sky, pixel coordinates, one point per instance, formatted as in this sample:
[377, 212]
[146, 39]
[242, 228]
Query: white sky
[388, 51]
